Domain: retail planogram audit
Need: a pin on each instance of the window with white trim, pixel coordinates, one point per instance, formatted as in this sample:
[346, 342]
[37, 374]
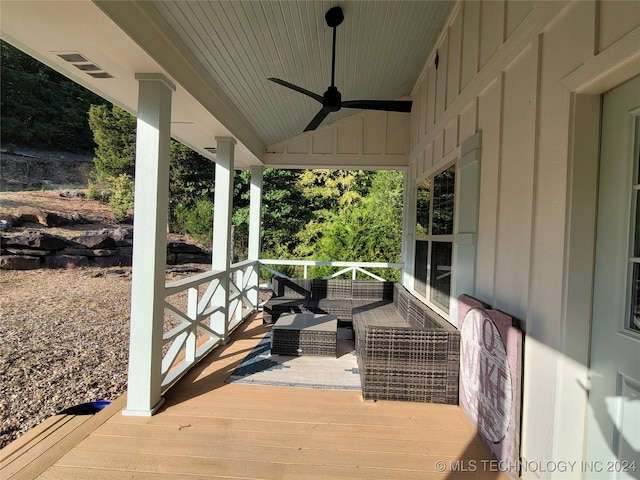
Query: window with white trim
[435, 202]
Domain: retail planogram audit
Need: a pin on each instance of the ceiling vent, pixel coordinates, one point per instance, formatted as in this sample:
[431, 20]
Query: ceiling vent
[211, 149]
[81, 62]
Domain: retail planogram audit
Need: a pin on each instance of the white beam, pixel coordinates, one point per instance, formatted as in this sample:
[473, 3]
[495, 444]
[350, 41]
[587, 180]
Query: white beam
[149, 244]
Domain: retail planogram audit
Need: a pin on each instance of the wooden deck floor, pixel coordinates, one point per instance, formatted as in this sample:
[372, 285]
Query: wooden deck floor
[208, 429]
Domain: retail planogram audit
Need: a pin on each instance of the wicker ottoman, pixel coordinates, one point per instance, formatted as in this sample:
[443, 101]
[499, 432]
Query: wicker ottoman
[305, 334]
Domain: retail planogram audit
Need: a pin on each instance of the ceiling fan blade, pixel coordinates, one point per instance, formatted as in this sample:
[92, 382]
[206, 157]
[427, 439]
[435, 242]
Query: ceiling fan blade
[387, 105]
[306, 92]
[317, 120]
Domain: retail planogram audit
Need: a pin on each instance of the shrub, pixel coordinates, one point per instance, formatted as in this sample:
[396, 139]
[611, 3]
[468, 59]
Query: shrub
[121, 198]
[196, 220]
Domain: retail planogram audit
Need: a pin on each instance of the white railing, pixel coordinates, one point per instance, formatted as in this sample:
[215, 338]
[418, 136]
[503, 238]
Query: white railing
[216, 303]
[352, 267]
[203, 309]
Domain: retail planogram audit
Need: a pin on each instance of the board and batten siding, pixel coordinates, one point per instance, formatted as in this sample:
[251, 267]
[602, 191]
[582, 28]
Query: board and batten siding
[501, 70]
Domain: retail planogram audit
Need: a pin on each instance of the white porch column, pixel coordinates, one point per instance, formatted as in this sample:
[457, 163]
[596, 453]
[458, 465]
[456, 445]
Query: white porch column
[149, 244]
[408, 228]
[222, 210]
[255, 220]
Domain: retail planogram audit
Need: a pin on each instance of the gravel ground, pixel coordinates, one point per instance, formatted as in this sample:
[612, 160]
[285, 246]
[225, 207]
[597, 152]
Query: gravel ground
[64, 339]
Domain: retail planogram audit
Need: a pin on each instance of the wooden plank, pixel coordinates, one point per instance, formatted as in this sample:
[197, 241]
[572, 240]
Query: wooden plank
[316, 418]
[261, 425]
[245, 466]
[328, 438]
[292, 472]
[50, 452]
[24, 442]
[294, 453]
[63, 426]
[250, 468]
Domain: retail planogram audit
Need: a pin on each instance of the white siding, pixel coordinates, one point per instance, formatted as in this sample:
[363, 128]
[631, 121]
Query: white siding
[504, 68]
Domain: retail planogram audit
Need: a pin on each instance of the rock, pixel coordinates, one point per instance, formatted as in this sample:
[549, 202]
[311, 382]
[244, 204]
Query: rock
[66, 261]
[28, 252]
[104, 252]
[192, 258]
[19, 262]
[125, 250]
[122, 234]
[72, 194]
[177, 246]
[79, 219]
[31, 215]
[116, 261]
[94, 241]
[55, 220]
[7, 221]
[36, 240]
[37, 215]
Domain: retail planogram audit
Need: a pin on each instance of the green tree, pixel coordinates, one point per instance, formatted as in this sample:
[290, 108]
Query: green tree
[40, 107]
[114, 132]
[191, 176]
[364, 228]
[121, 198]
[284, 212]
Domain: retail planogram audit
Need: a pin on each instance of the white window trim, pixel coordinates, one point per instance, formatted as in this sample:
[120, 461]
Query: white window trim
[430, 238]
[463, 262]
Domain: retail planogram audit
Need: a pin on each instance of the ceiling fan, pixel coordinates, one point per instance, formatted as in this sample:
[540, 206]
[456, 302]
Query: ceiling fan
[332, 99]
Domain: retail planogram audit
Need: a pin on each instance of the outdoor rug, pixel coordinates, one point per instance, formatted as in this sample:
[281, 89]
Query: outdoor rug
[327, 373]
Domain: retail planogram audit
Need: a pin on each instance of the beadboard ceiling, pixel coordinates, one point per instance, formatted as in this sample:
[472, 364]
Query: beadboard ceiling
[222, 52]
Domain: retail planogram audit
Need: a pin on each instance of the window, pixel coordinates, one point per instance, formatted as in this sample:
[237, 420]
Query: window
[434, 238]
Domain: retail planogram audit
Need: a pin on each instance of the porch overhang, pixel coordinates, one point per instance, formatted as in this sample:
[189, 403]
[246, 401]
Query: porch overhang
[220, 54]
[46, 30]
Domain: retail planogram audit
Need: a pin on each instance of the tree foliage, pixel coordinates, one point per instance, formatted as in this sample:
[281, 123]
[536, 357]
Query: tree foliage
[191, 176]
[114, 133]
[40, 107]
[361, 226]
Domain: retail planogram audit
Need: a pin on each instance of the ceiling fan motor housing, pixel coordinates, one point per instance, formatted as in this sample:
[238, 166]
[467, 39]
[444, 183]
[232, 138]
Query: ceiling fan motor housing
[334, 17]
[332, 99]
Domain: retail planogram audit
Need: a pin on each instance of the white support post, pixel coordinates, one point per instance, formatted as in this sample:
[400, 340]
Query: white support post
[149, 244]
[222, 210]
[255, 220]
[408, 229]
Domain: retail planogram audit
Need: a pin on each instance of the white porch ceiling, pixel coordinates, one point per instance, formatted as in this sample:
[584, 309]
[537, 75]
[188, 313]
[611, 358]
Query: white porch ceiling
[220, 54]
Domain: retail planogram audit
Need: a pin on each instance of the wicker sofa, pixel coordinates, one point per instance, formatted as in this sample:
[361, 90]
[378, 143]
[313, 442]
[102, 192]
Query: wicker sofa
[333, 296]
[406, 352]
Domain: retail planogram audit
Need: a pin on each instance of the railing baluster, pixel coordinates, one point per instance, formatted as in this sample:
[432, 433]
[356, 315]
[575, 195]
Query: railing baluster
[192, 311]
